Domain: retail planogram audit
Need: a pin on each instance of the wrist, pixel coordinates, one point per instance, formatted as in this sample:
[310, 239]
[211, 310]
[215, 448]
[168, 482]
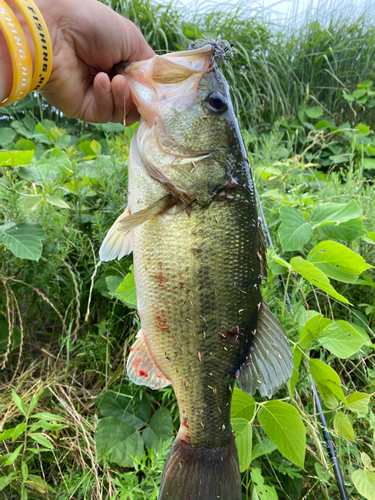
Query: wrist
[47, 12]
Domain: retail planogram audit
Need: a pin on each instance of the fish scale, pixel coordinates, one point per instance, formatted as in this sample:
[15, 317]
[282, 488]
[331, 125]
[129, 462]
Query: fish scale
[198, 263]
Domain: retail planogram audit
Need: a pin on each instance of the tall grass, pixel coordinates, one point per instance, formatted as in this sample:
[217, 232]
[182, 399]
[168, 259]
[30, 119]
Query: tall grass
[308, 57]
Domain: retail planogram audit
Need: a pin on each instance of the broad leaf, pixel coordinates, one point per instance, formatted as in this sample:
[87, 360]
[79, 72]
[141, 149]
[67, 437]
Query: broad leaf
[119, 440]
[358, 401]
[345, 231]
[160, 428]
[263, 491]
[6, 136]
[341, 339]
[6, 480]
[32, 203]
[314, 112]
[316, 277]
[343, 427]
[295, 230]
[12, 158]
[57, 202]
[126, 291]
[243, 433]
[13, 456]
[337, 261]
[364, 481]
[332, 213]
[265, 447]
[24, 240]
[126, 407]
[312, 329]
[282, 423]
[243, 405]
[326, 376]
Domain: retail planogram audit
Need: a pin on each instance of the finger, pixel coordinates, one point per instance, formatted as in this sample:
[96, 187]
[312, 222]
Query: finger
[101, 106]
[124, 106]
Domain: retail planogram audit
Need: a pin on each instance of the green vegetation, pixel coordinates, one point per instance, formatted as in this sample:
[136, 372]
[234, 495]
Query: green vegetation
[71, 424]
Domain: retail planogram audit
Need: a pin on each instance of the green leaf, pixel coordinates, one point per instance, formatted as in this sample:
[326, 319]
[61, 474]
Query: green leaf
[6, 136]
[24, 240]
[57, 202]
[32, 203]
[362, 129]
[48, 416]
[358, 401]
[364, 481]
[282, 423]
[326, 376]
[113, 282]
[265, 447]
[349, 97]
[160, 429]
[297, 358]
[39, 438]
[126, 290]
[312, 329]
[314, 112]
[368, 163]
[13, 456]
[126, 407]
[321, 124]
[24, 471]
[23, 492]
[243, 433]
[337, 261]
[316, 277]
[243, 405]
[20, 429]
[8, 434]
[343, 427]
[345, 231]
[46, 426]
[39, 484]
[118, 439]
[13, 158]
[295, 231]
[19, 403]
[34, 401]
[341, 339]
[6, 480]
[358, 93]
[263, 492]
[366, 460]
[332, 213]
[365, 84]
[96, 146]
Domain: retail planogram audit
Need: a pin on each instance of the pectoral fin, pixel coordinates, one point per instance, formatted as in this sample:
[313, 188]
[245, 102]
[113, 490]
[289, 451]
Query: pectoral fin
[119, 240]
[269, 361]
[141, 366]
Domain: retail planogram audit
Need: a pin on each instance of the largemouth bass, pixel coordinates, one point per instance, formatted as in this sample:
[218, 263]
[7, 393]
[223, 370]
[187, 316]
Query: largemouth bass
[192, 224]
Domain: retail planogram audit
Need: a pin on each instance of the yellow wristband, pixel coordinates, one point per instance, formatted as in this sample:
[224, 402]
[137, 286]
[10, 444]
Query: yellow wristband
[20, 54]
[42, 42]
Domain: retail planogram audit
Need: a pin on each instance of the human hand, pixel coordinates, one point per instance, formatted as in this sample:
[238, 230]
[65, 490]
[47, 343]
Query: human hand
[88, 39]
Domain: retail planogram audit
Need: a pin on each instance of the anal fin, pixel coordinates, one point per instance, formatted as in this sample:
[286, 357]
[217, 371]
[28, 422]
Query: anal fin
[141, 366]
[269, 361]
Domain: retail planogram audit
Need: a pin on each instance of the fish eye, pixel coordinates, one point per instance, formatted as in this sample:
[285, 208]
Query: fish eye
[216, 102]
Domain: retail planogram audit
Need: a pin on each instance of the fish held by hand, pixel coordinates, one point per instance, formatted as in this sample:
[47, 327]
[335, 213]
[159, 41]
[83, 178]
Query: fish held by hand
[199, 260]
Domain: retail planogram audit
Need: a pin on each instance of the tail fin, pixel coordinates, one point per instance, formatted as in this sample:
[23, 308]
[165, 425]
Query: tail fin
[201, 473]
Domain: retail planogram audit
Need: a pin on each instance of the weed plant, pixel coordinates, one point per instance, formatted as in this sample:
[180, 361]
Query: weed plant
[71, 424]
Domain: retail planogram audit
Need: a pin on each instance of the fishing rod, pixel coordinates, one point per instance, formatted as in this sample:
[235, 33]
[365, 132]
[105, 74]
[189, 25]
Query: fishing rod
[327, 437]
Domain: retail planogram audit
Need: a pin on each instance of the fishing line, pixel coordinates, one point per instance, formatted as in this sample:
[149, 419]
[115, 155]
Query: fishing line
[326, 434]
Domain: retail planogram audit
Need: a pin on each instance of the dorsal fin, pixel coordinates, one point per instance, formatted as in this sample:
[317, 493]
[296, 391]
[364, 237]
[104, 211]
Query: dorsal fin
[141, 366]
[269, 361]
